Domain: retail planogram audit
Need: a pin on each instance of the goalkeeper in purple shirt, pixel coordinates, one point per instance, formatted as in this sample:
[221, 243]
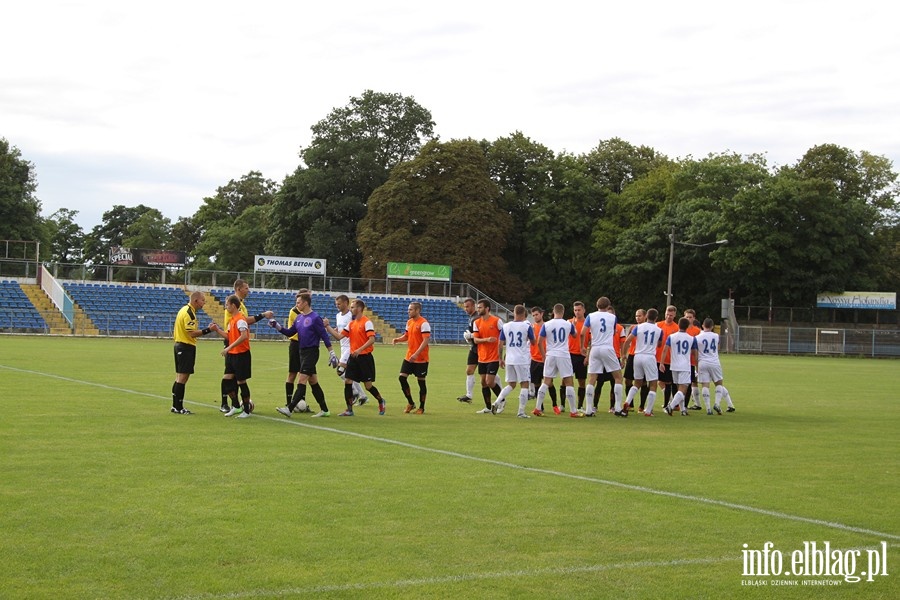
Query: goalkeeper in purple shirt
[309, 328]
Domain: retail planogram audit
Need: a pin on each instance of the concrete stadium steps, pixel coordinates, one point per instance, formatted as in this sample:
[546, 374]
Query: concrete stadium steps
[214, 308]
[382, 327]
[55, 320]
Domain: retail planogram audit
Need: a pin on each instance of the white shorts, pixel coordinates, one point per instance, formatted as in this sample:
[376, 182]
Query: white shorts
[345, 356]
[681, 377]
[518, 373]
[709, 373]
[645, 367]
[558, 365]
[603, 360]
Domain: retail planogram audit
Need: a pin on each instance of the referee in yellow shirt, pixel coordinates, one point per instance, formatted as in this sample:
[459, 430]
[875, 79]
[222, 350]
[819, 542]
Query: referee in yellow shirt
[186, 334]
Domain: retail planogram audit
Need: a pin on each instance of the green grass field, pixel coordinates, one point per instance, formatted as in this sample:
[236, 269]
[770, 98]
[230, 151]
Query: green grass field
[105, 494]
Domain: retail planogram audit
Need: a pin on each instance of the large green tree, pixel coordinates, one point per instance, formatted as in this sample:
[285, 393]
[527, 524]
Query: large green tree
[66, 236]
[441, 208]
[223, 233]
[19, 207]
[111, 232]
[820, 225]
[353, 149]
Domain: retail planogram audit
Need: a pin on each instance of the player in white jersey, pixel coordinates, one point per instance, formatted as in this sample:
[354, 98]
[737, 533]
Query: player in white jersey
[680, 349]
[516, 339]
[602, 357]
[557, 361]
[647, 337]
[341, 320]
[709, 368]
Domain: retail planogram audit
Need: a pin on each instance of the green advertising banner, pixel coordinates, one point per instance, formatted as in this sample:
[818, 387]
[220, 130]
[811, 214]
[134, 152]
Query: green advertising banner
[418, 271]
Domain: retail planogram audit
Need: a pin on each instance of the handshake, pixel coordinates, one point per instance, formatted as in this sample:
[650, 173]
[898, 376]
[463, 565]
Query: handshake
[275, 325]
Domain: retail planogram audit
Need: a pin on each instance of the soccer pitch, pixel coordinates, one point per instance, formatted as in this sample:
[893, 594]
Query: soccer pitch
[106, 494]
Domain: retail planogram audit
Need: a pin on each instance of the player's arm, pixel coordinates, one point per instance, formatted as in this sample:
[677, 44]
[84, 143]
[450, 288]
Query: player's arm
[337, 335]
[260, 317]
[401, 338]
[422, 346]
[369, 343]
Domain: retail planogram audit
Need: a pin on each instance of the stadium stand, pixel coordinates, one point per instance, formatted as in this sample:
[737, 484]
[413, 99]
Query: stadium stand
[17, 313]
[447, 319]
[130, 309]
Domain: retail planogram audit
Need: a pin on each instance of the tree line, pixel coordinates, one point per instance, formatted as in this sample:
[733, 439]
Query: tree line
[518, 220]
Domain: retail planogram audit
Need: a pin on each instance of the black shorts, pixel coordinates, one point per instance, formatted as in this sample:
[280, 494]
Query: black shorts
[294, 357]
[629, 367]
[579, 369]
[185, 356]
[360, 368]
[419, 369]
[604, 377]
[693, 373]
[308, 358]
[238, 365]
[667, 376]
[473, 356]
[537, 372]
[489, 368]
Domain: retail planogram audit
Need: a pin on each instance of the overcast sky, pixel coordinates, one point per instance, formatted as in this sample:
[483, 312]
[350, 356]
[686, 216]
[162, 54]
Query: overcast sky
[160, 103]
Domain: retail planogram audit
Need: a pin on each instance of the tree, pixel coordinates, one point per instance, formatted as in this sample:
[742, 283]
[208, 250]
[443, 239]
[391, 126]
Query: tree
[111, 232]
[66, 236]
[231, 245]
[441, 208]
[821, 225]
[206, 235]
[19, 207]
[352, 151]
[150, 230]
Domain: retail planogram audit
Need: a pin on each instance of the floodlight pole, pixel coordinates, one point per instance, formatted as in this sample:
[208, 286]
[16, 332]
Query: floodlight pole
[672, 243]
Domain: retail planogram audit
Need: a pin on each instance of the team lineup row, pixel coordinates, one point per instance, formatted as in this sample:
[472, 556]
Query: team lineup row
[590, 349]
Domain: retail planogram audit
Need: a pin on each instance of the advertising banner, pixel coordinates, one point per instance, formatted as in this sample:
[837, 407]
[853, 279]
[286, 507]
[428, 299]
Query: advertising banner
[143, 257]
[289, 264]
[419, 271]
[868, 300]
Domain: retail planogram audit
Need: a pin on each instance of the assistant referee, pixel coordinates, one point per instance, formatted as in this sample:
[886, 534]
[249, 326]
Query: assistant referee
[186, 334]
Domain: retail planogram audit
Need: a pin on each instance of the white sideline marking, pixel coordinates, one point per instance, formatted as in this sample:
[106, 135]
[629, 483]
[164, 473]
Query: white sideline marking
[450, 579]
[401, 583]
[618, 484]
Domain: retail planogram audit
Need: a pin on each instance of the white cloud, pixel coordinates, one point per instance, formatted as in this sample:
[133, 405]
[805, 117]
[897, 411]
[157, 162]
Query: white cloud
[119, 103]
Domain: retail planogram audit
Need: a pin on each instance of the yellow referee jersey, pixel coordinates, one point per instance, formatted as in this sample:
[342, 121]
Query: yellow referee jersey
[292, 316]
[185, 321]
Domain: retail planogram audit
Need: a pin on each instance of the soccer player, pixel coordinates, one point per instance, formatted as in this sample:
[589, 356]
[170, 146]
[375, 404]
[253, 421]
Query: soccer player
[516, 338]
[360, 364]
[600, 326]
[554, 341]
[693, 392]
[416, 336]
[640, 315]
[710, 369]
[293, 354]
[486, 335]
[343, 316]
[579, 360]
[472, 359]
[310, 330]
[680, 348]
[237, 358]
[186, 334]
[668, 327]
[537, 362]
[241, 290]
[648, 337]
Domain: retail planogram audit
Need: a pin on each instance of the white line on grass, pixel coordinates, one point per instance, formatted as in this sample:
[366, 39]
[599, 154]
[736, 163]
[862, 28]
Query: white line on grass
[618, 484]
[450, 579]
